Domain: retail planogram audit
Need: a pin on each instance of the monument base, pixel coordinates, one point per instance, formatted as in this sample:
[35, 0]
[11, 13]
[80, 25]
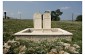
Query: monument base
[43, 34]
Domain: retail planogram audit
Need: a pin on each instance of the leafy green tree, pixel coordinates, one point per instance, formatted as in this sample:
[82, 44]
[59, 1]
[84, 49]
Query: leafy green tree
[55, 15]
[79, 18]
[58, 12]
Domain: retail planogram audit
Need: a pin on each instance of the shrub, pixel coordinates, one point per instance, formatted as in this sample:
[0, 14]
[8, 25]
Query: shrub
[79, 18]
[7, 36]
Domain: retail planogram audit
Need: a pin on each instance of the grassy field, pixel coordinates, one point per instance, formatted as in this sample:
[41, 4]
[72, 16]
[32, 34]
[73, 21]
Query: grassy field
[12, 26]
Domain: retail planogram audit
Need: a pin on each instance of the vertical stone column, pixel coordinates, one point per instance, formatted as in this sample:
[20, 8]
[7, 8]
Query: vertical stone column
[37, 21]
[46, 22]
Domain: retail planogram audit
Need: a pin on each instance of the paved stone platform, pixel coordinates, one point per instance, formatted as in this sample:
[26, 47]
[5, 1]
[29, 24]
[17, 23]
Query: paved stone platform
[42, 34]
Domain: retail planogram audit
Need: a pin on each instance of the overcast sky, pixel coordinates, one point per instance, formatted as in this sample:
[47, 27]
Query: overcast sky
[28, 8]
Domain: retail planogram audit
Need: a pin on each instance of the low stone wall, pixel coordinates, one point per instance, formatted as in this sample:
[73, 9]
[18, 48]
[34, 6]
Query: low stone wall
[43, 34]
[44, 37]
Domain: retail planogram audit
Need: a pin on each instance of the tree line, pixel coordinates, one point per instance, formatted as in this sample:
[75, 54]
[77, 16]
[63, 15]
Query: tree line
[55, 15]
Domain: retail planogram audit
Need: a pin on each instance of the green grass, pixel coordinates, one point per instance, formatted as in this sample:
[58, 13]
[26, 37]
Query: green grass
[12, 26]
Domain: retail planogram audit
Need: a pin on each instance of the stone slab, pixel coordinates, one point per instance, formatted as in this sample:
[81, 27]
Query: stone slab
[37, 18]
[46, 21]
[43, 37]
[40, 34]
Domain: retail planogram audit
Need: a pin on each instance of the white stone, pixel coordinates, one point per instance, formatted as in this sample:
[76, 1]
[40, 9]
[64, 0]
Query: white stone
[5, 50]
[53, 50]
[76, 46]
[61, 52]
[11, 41]
[46, 33]
[72, 49]
[22, 49]
[37, 21]
[67, 45]
[46, 21]
[36, 36]
[66, 53]
[6, 45]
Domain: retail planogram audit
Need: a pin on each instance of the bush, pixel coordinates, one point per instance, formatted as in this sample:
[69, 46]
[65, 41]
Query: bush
[7, 36]
[44, 47]
[79, 18]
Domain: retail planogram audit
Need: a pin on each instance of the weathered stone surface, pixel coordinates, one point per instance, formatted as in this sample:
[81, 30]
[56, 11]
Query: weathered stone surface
[5, 50]
[76, 46]
[43, 37]
[6, 45]
[66, 53]
[37, 21]
[61, 52]
[53, 51]
[67, 45]
[72, 49]
[22, 49]
[46, 21]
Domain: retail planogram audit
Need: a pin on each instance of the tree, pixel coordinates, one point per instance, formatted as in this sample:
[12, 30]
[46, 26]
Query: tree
[58, 12]
[79, 18]
[55, 15]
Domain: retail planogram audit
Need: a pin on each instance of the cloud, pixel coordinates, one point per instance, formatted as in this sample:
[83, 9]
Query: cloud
[65, 8]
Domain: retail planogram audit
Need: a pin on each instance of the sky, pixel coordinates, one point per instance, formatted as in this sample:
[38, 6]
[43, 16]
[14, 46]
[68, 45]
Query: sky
[27, 8]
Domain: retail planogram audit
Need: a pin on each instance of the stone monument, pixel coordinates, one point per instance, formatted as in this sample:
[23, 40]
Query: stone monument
[46, 22]
[42, 30]
[37, 21]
